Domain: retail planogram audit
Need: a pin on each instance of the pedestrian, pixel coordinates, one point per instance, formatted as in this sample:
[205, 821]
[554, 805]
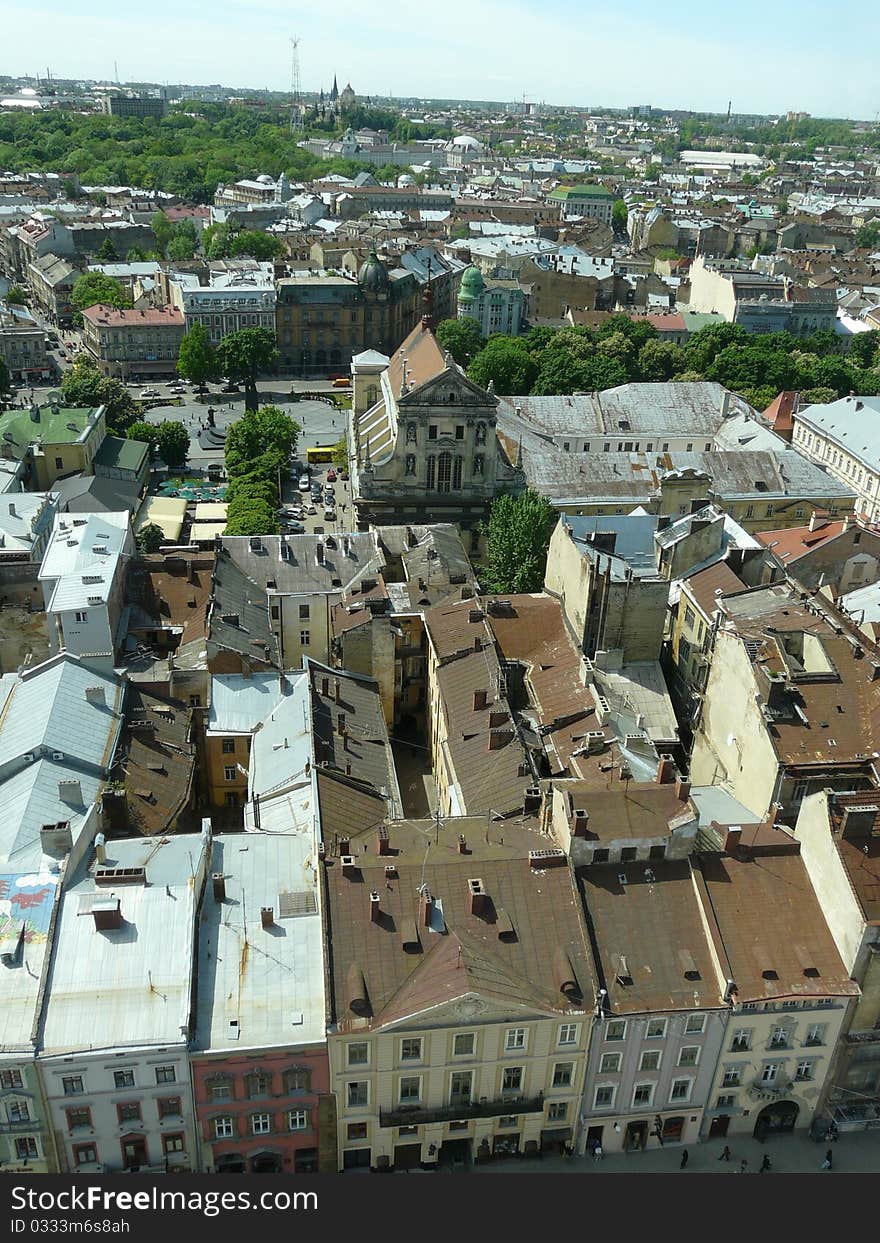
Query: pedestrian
[726, 1154]
[765, 1164]
[684, 1160]
[826, 1164]
[744, 1166]
[597, 1153]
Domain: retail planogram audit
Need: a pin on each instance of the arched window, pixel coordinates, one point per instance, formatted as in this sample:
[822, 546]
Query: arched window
[444, 472]
[297, 1079]
[452, 396]
[258, 1083]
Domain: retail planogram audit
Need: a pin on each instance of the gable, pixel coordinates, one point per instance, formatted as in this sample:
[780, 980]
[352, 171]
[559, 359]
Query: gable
[469, 1008]
[439, 390]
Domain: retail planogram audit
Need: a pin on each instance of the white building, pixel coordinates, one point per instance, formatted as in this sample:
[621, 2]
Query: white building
[236, 298]
[83, 580]
[844, 437]
[119, 1013]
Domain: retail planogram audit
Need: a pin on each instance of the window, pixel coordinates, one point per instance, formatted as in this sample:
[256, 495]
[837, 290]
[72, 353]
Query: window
[557, 1111]
[297, 1120]
[815, 1034]
[169, 1106]
[77, 1118]
[358, 1054]
[515, 1038]
[643, 1094]
[568, 1033]
[230, 772]
[804, 1071]
[724, 1102]
[650, 1060]
[297, 1080]
[463, 1045]
[656, 1029]
[628, 854]
[17, 1111]
[123, 1078]
[165, 1074]
[601, 855]
[750, 511]
[357, 1094]
[689, 617]
[615, 1029]
[689, 1055]
[696, 1023]
[357, 1130]
[10, 1079]
[258, 1083]
[410, 1088]
[26, 1148]
[305, 638]
[261, 1124]
[459, 432]
[85, 1154]
[460, 1085]
[220, 1089]
[681, 1090]
[223, 1128]
[779, 1038]
[411, 1049]
[172, 1143]
[508, 1122]
[742, 1040]
[129, 1111]
[229, 746]
[769, 1072]
[80, 618]
[432, 431]
[59, 463]
[72, 1085]
[512, 1079]
[731, 1077]
[563, 1073]
[304, 612]
[609, 1063]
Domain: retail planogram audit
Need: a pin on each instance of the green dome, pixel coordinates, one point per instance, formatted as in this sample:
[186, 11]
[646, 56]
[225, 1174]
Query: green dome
[472, 284]
[373, 275]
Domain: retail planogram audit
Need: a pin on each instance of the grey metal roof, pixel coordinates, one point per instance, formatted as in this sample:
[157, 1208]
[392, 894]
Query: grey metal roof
[633, 534]
[852, 422]
[240, 704]
[346, 558]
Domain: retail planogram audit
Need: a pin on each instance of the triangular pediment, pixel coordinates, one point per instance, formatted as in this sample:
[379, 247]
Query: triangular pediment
[438, 391]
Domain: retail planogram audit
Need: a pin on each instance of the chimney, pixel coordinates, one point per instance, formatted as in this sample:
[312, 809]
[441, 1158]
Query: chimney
[847, 521]
[682, 790]
[375, 913]
[532, 799]
[579, 821]
[219, 882]
[95, 695]
[478, 899]
[773, 814]
[319, 552]
[344, 845]
[349, 867]
[426, 907]
[267, 916]
[462, 844]
[859, 821]
[70, 792]
[498, 716]
[101, 848]
[12, 512]
[107, 913]
[384, 840]
[732, 841]
[337, 690]
[665, 770]
[480, 698]
[814, 520]
[340, 724]
[325, 687]
[725, 403]
[478, 643]
[499, 738]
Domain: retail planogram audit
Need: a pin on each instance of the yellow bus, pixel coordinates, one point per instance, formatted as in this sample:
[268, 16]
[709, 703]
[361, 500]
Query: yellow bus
[320, 453]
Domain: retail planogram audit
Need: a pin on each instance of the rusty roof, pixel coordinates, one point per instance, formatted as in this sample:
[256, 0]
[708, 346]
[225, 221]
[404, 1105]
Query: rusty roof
[706, 586]
[507, 952]
[159, 762]
[638, 810]
[424, 359]
[649, 941]
[771, 927]
[796, 542]
[859, 854]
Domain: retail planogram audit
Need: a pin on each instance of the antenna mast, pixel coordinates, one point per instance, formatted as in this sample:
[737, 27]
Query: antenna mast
[296, 117]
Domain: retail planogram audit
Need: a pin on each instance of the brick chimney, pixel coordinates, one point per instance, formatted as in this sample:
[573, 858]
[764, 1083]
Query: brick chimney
[384, 840]
[426, 906]
[732, 840]
[682, 789]
[462, 844]
[375, 913]
[499, 738]
[478, 899]
[267, 916]
[665, 770]
[579, 821]
[480, 698]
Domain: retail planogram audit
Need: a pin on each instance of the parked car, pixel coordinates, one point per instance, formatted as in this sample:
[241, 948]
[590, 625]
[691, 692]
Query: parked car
[293, 528]
[230, 387]
[331, 476]
[149, 393]
[329, 514]
[343, 474]
[304, 483]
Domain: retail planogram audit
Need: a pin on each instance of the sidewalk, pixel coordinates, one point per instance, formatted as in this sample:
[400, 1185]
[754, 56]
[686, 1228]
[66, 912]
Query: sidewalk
[855, 1153]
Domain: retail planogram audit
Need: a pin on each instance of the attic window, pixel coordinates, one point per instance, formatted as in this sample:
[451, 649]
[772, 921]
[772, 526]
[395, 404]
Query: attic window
[770, 975]
[625, 980]
[692, 975]
[812, 973]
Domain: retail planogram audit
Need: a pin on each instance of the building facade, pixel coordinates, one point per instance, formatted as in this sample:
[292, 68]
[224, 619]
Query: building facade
[133, 345]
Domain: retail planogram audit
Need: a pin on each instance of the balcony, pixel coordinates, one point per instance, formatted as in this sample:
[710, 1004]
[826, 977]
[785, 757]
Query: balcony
[869, 1037]
[771, 1091]
[419, 1115]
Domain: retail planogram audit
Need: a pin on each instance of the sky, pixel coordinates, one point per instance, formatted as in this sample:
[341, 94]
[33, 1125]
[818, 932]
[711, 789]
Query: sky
[799, 55]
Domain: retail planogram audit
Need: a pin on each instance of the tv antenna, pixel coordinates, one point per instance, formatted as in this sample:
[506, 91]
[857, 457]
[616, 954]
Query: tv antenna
[296, 112]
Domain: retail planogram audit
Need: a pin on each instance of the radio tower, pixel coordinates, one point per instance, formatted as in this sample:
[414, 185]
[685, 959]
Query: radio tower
[296, 117]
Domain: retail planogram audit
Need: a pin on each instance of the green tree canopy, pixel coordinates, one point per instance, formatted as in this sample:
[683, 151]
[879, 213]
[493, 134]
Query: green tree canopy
[868, 236]
[84, 385]
[197, 358]
[251, 516]
[141, 430]
[462, 337]
[517, 536]
[4, 377]
[506, 361]
[107, 251]
[659, 360]
[256, 245]
[16, 296]
[150, 538]
[94, 287]
[340, 454]
[172, 440]
[163, 230]
[244, 355]
[619, 216]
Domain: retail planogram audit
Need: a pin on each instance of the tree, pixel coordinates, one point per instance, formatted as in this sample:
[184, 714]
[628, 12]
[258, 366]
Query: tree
[340, 454]
[256, 245]
[197, 358]
[107, 252]
[172, 439]
[262, 440]
[868, 235]
[4, 377]
[659, 360]
[619, 216]
[251, 517]
[462, 337]
[181, 247]
[506, 361]
[244, 355]
[17, 296]
[863, 348]
[142, 431]
[94, 287]
[150, 538]
[818, 396]
[135, 255]
[84, 385]
[517, 535]
[163, 231]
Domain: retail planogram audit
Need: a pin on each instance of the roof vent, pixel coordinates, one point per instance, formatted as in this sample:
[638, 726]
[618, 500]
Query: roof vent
[107, 913]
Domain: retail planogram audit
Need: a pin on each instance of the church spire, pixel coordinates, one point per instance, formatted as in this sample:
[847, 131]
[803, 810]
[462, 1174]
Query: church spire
[428, 313]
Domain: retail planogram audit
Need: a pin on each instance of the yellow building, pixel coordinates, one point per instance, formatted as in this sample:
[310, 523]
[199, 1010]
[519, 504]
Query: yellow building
[56, 440]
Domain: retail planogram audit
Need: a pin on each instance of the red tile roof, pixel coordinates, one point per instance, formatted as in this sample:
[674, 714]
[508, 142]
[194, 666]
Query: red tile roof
[109, 316]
